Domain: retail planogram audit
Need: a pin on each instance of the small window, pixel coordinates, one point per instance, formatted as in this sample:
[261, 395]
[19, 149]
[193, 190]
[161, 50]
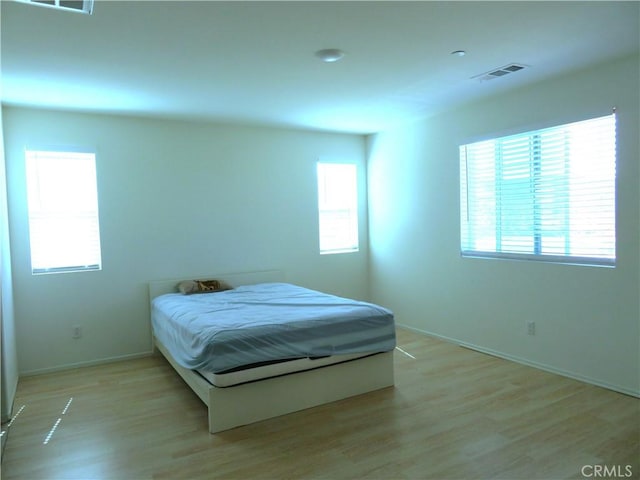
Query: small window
[543, 195]
[338, 207]
[64, 232]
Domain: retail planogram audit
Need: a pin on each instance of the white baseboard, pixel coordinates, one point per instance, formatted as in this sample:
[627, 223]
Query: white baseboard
[90, 363]
[524, 361]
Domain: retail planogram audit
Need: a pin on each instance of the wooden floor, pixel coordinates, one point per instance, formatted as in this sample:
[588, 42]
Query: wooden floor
[454, 414]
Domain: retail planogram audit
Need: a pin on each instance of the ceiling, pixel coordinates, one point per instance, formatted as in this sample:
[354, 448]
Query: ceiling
[254, 62]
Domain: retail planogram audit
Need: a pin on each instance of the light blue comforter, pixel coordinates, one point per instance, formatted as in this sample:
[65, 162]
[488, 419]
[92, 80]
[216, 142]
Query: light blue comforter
[267, 322]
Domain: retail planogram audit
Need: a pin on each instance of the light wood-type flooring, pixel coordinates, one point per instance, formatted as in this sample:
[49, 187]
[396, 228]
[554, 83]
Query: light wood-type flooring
[453, 414]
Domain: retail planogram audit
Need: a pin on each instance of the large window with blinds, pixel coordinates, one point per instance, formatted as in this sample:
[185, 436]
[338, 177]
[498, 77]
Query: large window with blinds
[62, 197]
[544, 195]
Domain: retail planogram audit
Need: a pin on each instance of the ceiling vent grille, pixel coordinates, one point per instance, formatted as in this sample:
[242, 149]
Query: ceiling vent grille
[500, 72]
[81, 6]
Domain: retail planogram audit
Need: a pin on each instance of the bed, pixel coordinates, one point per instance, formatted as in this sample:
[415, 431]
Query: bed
[305, 359]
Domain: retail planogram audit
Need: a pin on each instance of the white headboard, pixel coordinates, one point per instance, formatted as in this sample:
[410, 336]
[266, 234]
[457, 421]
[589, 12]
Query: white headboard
[160, 287]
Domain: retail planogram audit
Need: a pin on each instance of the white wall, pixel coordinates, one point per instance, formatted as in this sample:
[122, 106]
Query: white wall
[587, 318]
[177, 199]
[8, 353]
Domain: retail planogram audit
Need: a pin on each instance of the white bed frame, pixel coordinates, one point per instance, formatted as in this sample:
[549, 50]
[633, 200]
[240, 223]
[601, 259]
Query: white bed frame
[247, 403]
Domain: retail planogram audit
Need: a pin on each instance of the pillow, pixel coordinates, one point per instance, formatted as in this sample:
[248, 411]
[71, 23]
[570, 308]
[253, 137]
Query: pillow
[202, 286]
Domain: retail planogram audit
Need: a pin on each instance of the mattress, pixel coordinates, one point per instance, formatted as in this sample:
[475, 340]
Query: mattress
[276, 369]
[265, 323]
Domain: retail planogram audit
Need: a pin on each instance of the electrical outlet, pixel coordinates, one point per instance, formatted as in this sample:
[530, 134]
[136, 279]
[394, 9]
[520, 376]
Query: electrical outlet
[77, 331]
[531, 328]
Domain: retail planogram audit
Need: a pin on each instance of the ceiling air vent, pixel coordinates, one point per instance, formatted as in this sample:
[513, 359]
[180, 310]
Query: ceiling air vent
[81, 6]
[499, 72]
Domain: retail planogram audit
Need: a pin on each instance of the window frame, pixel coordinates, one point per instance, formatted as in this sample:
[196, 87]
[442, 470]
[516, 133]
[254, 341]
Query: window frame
[348, 208]
[537, 162]
[41, 214]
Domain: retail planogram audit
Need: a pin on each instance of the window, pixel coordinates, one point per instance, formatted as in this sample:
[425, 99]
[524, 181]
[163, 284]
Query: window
[63, 211]
[542, 195]
[338, 207]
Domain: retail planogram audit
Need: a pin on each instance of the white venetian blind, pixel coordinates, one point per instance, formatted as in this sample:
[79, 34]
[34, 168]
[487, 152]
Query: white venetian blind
[544, 195]
[62, 197]
[337, 207]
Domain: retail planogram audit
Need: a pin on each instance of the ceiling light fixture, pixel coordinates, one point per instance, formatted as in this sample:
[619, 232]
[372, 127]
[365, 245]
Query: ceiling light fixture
[330, 55]
[459, 53]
